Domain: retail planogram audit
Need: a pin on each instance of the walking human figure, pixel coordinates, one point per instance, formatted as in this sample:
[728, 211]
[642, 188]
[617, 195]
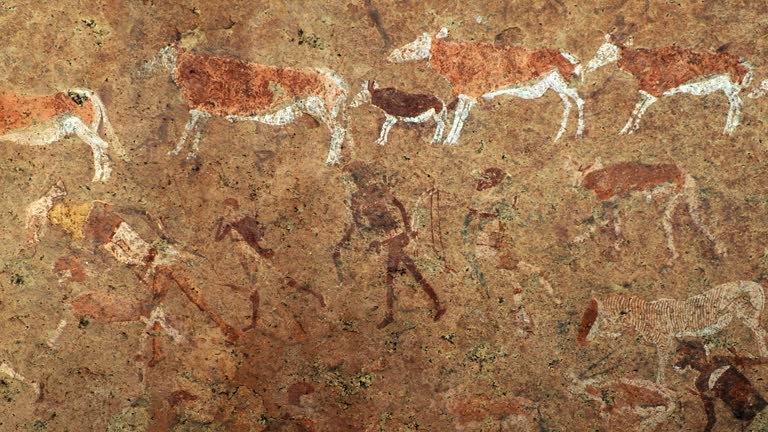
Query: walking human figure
[376, 210]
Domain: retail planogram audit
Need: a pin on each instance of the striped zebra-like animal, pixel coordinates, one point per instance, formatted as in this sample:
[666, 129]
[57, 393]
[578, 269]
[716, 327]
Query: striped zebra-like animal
[659, 322]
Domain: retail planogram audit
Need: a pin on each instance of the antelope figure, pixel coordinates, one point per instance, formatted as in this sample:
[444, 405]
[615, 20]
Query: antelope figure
[659, 322]
[43, 120]
[402, 106]
[631, 404]
[622, 179]
[482, 70]
[238, 91]
[667, 71]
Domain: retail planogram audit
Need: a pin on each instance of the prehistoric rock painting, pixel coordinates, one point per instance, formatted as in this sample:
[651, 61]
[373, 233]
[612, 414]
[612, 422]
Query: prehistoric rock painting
[227, 87]
[401, 106]
[375, 209]
[481, 70]
[487, 238]
[620, 180]
[668, 71]
[98, 224]
[628, 404]
[720, 379]
[292, 297]
[43, 120]
[659, 322]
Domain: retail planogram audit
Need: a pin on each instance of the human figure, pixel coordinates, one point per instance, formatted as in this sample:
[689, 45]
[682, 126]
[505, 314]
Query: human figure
[487, 239]
[376, 210]
[247, 232]
[161, 265]
[719, 379]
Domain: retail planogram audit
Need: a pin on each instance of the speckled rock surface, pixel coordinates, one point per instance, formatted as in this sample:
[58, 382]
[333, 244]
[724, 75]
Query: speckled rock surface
[412, 286]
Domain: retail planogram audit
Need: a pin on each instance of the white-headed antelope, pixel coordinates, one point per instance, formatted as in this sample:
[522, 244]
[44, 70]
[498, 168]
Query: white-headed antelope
[659, 322]
[667, 71]
[483, 70]
[224, 86]
[623, 179]
[43, 120]
[401, 106]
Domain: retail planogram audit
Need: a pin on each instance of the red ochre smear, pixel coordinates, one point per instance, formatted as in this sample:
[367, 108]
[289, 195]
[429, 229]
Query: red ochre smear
[475, 69]
[106, 307]
[227, 86]
[18, 112]
[626, 177]
[73, 266]
[661, 69]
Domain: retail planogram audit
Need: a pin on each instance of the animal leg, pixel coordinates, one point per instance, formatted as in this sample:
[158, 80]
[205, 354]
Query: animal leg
[385, 128]
[439, 125]
[666, 221]
[566, 111]
[694, 209]
[315, 107]
[99, 147]
[196, 119]
[664, 351]
[633, 123]
[558, 84]
[734, 110]
[753, 322]
[462, 112]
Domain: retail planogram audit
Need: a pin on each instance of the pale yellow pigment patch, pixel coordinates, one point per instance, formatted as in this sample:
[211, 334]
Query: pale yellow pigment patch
[71, 218]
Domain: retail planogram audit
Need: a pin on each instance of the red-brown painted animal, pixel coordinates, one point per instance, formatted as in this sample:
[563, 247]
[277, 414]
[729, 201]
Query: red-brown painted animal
[620, 180]
[42, 120]
[482, 70]
[402, 106]
[224, 86]
[667, 71]
[628, 404]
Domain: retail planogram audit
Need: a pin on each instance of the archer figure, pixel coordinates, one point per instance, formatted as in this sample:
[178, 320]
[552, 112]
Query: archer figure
[375, 210]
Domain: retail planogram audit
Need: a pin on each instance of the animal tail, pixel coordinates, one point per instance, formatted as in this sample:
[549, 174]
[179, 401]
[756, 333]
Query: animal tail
[101, 119]
[747, 80]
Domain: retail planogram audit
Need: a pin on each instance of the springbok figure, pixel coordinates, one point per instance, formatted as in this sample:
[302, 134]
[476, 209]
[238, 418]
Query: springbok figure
[667, 71]
[659, 322]
[482, 70]
[43, 120]
[224, 86]
[619, 180]
[402, 106]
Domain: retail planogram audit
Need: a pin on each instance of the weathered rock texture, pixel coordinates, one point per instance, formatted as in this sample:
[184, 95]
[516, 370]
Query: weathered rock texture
[304, 261]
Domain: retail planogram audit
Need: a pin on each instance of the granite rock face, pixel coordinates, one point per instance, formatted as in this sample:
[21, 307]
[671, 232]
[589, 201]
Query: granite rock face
[200, 231]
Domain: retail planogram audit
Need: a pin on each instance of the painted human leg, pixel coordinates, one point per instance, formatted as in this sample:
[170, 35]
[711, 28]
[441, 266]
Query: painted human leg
[419, 278]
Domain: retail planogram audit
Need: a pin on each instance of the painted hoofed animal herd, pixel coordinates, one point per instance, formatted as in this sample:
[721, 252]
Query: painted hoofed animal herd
[227, 87]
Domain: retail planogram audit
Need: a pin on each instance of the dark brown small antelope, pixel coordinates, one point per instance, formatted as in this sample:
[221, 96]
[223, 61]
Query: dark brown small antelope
[485, 70]
[401, 106]
[667, 71]
[43, 120]
[238, 91]
[622, 179]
